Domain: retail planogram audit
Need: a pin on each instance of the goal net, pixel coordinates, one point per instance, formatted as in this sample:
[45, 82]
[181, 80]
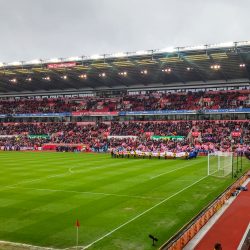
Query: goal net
[220, 163]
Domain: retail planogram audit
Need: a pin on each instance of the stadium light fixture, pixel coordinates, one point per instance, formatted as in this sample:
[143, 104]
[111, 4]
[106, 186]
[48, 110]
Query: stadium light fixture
[119, 54]
[95, 57]
[28, 79]
[64, 77]
[1, 64]
[74, 58]
[54, 60]
[14, 63]
[35, 61]
[122, 73]
[102, 74]
[228, 44]
[169, 49]
[215, 67]
[142, 52]
[189, 68]
[166, 70]
[83, 76]
[242, 65]
[13, 80]
[46, 78]
[144, 71]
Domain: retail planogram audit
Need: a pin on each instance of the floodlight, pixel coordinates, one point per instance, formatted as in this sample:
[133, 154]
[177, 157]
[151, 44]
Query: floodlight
[242, 65]
[83, 76]
[95, 56]
[35, 61]
[54, 60]
[64, 77]
[166, 70]
[215, 67]
[13, 80]
[16, 63]
[29, 79]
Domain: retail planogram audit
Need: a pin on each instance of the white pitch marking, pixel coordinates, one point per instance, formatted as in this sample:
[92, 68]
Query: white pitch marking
[169, 172]
[69, 191]
[144, 213]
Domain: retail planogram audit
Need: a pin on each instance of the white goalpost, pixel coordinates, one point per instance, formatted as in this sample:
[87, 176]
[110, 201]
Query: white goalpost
[219, 163]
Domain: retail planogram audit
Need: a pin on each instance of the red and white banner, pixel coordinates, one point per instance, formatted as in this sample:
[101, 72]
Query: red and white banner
[103, 113]
[106, 133]
[242, 98]
[79, 113]
[25, 133]
[148, 133]
[206, 99]
[95, 113]
[196, 133]
[126, 102]
[60, 133]
[236, 133]
[61, 65]
[164, 100]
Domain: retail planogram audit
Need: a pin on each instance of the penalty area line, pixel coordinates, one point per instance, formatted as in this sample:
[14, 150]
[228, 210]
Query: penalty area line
[143, 213]
[169, 171]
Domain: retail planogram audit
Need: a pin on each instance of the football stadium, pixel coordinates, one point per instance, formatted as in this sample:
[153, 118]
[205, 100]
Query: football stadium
[136, 150]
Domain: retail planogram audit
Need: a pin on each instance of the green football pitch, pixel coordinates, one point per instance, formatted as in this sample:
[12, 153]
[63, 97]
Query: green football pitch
[118, 202]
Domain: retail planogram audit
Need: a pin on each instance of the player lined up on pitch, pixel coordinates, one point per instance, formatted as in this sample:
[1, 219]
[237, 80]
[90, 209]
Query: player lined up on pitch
[116, 153]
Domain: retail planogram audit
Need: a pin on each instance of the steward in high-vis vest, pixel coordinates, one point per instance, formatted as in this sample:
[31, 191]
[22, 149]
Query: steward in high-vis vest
[128, 154]
[143, 155]
[159, 155]
[166, 155]
[149, 155]
[174, 154]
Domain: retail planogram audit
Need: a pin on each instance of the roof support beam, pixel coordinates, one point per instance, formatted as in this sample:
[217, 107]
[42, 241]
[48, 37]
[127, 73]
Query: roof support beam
[220, 67]
[192, 66]
[178, 76]
[107, 75]
[241, 59]
[84, 82]
[48, 82]
[7, 80]
[150, 73]
[131, 77]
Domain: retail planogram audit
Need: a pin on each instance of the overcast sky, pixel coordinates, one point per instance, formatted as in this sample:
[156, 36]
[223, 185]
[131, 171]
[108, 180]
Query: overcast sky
[34, 29]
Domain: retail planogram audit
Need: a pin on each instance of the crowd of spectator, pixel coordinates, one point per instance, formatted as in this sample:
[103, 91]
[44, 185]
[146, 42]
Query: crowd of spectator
[130, 135]
[146, 102]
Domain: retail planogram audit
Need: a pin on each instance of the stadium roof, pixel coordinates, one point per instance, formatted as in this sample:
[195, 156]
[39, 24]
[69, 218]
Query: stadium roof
[181, 67]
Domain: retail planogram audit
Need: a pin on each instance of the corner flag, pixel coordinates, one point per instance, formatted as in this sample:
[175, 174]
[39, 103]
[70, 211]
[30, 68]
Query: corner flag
[77, 225]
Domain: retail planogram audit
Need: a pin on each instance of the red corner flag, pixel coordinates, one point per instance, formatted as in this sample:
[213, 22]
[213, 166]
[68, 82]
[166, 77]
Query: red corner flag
[77, 223]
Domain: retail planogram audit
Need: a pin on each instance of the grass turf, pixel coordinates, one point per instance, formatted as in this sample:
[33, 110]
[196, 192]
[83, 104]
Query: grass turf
[42, 194]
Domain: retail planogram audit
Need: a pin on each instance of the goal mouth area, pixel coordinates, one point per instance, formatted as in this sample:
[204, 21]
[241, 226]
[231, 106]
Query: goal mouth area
[220, 164]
